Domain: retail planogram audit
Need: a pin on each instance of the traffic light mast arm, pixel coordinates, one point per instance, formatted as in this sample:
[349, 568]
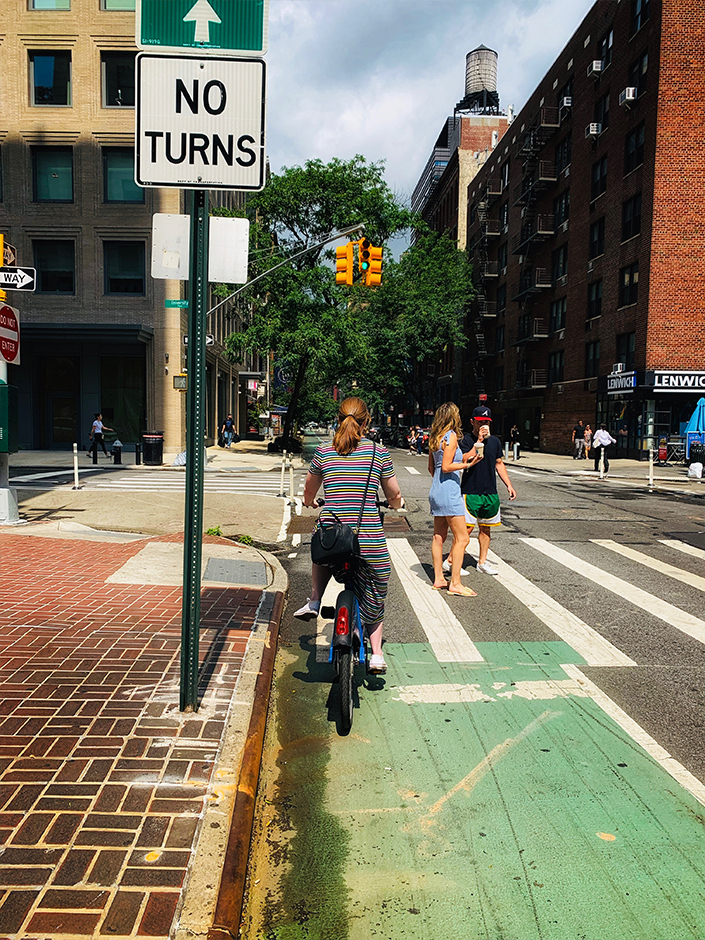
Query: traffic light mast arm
[326, 241]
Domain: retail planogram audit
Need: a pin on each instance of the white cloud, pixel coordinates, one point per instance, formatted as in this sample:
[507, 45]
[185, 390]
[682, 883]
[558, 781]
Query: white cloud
[379, 77]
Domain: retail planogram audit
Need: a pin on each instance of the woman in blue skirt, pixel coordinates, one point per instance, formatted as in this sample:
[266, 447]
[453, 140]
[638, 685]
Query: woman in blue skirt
[445, 463]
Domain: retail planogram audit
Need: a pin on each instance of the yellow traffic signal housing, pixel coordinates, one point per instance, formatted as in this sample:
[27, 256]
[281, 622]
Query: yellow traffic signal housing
[374, 271]
[363, 255]
[344, 264]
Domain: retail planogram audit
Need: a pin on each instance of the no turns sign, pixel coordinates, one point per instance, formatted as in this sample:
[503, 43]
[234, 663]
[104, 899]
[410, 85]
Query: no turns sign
[200, 122]
[9, 335]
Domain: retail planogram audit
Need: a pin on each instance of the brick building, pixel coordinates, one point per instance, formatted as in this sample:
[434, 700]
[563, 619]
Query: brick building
[586, 225]
[98, 335]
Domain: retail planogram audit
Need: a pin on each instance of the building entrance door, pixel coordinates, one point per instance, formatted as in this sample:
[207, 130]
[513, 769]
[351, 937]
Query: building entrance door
[63, 421]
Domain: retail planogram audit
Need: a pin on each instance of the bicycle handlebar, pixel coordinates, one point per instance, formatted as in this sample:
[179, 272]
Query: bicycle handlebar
[379, 503]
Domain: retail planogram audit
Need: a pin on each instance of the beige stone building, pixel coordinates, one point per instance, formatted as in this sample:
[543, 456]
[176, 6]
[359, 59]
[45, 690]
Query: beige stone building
[99, 334]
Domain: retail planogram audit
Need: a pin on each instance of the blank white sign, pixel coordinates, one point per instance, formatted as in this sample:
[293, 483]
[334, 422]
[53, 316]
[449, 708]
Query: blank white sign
[228, 248]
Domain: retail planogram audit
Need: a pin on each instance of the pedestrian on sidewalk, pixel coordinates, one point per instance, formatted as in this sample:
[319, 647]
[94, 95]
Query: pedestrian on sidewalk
[588, 441]
[343, 467]
[600, 442]
[413, 438]
[96, 436]
[578, 440]
[479, 484]
[228, 430]
[445, 461]
[515, 438]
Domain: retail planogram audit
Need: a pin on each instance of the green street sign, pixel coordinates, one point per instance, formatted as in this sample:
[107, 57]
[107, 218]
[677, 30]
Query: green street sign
[183, 304]
[232, 26]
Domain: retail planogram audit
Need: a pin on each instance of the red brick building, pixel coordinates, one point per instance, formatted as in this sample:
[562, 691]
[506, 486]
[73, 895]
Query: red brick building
[587, 225]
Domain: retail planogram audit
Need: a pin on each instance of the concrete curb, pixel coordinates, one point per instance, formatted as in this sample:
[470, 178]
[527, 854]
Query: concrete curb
[212, 899]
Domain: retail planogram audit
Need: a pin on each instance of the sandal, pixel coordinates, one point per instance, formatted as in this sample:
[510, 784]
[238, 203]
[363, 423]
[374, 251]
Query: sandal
[463, 592]
[440, 587]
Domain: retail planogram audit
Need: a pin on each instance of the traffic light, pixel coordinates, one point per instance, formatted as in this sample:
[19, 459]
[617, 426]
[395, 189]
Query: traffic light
[363, 256]
[374, 271]
[344, 264]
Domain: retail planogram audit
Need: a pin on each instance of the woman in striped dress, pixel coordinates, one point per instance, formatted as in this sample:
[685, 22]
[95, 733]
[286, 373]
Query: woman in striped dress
[343, 467]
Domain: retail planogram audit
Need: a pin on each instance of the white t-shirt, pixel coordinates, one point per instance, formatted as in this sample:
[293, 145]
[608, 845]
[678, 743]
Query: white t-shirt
[97, 427]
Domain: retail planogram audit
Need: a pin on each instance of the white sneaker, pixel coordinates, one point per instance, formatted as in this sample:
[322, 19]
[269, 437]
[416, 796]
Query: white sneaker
[377, 664]
[309, 611]
[448, 567]
[487, 568]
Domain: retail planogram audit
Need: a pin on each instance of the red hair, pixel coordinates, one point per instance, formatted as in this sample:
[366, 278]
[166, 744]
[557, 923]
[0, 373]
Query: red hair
[353, 418]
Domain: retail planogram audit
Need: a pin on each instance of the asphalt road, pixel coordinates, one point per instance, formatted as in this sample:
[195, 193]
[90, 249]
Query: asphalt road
[548, 786]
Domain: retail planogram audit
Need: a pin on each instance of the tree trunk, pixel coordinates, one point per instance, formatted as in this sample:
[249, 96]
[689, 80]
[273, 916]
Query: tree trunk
[294, 400]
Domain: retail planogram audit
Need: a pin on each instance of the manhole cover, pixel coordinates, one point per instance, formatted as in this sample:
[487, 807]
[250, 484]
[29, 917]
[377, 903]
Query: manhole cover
[230, 571]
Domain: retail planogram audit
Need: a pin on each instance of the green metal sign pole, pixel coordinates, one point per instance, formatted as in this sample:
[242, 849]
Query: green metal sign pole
[195, 444]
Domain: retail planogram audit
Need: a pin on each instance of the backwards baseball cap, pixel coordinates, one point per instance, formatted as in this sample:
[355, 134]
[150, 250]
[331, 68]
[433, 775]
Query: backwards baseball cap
[482, 413]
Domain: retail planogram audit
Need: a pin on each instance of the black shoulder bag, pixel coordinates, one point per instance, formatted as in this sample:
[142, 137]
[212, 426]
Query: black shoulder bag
[335, 543]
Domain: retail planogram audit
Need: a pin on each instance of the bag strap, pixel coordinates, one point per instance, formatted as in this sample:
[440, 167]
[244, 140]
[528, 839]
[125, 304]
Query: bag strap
[367, 486]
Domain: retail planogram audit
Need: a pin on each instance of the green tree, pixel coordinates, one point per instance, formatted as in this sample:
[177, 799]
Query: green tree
[298, 312]
[419, 312]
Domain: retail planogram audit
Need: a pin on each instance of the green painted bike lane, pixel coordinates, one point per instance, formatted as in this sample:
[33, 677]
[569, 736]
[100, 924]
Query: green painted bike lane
[494, 800]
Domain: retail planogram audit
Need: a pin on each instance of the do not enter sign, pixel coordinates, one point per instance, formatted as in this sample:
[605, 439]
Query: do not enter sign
[9, 335]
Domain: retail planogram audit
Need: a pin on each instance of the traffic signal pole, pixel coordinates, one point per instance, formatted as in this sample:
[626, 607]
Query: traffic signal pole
[195, 452]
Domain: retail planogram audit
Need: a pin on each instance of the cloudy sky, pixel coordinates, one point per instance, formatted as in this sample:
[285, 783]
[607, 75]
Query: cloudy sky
[379, 77]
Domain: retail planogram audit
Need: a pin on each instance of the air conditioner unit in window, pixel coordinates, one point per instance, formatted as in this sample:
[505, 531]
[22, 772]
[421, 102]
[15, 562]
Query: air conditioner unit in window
[627, 96]
[566, 102]
[591, 265]
[559, 389]
[595, 68]
[561, 334]
[618, 367]
[593, 130]
[564, 226]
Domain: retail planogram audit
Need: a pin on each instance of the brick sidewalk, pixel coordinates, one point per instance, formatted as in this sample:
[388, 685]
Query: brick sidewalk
[102, 780]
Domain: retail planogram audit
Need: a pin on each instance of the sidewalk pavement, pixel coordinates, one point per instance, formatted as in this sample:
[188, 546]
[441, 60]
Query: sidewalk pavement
[115, 807]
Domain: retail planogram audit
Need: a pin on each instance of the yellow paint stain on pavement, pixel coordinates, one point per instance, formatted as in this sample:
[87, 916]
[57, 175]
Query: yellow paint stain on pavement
[152, 856]
[607, 836]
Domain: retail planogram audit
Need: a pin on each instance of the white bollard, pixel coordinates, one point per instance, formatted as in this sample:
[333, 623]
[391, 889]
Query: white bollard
[516, 451]
[651, 468]
[291, 482]
[602, 463]
[506, 450]
[76, 484]
[281, 484]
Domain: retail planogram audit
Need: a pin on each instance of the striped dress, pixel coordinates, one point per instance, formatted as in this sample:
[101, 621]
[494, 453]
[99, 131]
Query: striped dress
[344, 479]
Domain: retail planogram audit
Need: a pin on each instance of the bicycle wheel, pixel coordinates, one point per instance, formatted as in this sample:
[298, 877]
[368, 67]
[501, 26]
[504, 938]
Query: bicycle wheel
[346, 664]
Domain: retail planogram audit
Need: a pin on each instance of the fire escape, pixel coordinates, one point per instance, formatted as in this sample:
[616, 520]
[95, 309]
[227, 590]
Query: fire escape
[536, 227]
[486, 272]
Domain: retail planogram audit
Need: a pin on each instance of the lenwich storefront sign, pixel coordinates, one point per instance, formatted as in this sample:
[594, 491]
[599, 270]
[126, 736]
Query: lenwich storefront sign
[676, 381]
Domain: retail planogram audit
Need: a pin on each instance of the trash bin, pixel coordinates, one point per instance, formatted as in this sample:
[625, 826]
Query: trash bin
[153, 448]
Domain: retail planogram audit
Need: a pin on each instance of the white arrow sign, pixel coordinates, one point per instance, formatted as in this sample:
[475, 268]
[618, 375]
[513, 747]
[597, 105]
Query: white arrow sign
[18, 278]
[202, 14]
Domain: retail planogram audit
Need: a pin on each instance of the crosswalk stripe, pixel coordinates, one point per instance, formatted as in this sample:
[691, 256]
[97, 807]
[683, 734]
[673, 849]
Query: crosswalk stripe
[594, 648]
[413, 470]
[683, 547]
[673, 616]
[448, 639]
[694, 580]
[638, 734]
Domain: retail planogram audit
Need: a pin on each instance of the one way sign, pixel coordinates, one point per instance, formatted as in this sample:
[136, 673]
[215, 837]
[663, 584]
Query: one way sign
[18, 278]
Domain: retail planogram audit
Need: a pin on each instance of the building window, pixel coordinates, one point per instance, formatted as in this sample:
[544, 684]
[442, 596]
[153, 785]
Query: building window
[558, 309]
[594, 300]
[636, 77]
[55, 263]
[556, 362]
[640, 14]
[52, 174]
[499, 379]
[592, 359]
[124, 267]
[626, 346]
[597, 238]
[117, 5]
[631, 217]
[50, 79]
[604, 48]
[499, 338]
[559, 262]
[502, 256]
[599, 178]
[118, 72]
[563, 153]
[504, 214]
[634, 149]
[119, 176]
[602, 111]
[561, 208]
[504, 174]
[50, 4]
[501, 298]
[566, 91]
[628, 285]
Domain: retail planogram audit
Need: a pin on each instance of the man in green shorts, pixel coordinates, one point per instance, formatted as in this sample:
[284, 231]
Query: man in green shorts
[479, 483]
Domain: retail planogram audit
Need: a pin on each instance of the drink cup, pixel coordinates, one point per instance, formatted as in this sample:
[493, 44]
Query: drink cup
[480, 448]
